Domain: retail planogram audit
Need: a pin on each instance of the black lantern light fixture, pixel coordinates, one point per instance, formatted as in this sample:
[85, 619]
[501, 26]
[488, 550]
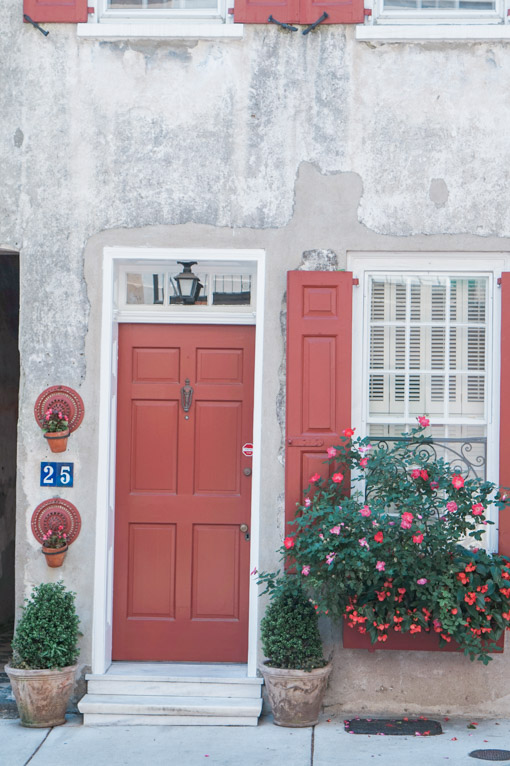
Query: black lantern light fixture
[188, 284]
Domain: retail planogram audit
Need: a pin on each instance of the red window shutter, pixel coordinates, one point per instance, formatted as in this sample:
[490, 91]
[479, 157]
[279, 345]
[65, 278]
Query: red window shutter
[339, 11]
[258, 11]
[504, 421]
[63, 11]
[319, 343]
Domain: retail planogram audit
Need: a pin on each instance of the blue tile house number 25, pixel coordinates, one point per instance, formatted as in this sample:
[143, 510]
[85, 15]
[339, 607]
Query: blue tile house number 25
[57, 474]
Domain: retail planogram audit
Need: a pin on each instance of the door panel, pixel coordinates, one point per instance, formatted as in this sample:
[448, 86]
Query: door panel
[181, 565]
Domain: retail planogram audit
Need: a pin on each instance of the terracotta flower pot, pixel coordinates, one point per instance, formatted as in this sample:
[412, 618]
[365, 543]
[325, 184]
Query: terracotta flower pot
[55, 556]
[57, 440]
[42, 696]
[296, 695]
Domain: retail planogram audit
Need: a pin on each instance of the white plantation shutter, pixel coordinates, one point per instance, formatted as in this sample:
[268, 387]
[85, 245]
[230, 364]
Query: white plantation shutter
[427, 351]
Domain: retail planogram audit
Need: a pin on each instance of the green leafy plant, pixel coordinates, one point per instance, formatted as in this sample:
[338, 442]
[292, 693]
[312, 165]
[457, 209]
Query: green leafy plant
[289, 628]
[384, 543]
[46, 635]
[54, 421]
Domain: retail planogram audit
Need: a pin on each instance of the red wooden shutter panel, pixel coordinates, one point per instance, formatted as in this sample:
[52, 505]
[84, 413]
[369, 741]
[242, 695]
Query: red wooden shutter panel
[339, 11]
[299, 11]
[504, 420]
[63, 11]
[258, 11]
[319, 343]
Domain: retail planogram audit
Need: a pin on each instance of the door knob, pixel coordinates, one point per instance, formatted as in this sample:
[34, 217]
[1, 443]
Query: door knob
[247, 471]
[244, 528]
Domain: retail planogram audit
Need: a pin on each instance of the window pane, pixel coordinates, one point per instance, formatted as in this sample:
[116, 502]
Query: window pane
[144, 289]
[152, 5]
[441, 5]
[427, 348]
[232, 290]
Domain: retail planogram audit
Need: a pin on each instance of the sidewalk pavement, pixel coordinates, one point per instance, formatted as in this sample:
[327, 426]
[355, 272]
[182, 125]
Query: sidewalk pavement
[326, 744]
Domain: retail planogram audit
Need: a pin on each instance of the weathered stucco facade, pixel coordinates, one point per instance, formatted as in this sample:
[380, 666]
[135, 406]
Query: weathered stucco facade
[278, 142]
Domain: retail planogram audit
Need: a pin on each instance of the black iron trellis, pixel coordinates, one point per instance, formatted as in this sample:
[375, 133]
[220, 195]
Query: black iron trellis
[458, 452]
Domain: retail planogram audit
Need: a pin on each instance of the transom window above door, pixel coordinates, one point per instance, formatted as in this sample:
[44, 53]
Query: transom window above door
[427, 353]
[152, 289]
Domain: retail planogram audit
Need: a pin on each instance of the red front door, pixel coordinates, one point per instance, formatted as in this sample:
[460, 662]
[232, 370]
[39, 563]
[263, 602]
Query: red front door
[181, 569]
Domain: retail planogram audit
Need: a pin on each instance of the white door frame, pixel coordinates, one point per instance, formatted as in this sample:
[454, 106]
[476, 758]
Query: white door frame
[103, 569]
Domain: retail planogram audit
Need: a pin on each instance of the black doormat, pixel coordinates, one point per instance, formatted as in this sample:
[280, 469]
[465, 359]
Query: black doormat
[420, 727]
[491, 755]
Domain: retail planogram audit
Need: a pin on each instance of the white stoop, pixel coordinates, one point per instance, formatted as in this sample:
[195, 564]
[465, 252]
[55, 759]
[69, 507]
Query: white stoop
[161, 693]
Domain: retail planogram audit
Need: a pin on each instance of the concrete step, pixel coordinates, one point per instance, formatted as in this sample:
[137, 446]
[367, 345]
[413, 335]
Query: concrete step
[176, 687]
[153, 710]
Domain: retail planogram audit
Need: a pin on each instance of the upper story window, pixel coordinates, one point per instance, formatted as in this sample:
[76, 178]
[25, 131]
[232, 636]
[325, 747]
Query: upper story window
[161, 9]
[439, 11]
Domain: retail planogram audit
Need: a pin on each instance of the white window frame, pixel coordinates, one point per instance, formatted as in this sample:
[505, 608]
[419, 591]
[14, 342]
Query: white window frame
[476, 264]
[205, 24]
[170, 14]
[438, 17]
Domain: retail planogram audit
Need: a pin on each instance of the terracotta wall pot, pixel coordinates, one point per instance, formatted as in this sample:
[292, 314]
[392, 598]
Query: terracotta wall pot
[296, 695]
[42, 696]
[57, 440]
[55, 556]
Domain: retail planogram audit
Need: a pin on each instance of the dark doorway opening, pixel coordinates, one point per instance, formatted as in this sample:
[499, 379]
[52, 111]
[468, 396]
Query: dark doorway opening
[9, 387]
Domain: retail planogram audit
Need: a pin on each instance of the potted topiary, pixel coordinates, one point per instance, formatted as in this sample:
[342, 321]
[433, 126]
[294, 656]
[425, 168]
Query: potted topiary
[55, 428]
[295, 671]
[45, 651]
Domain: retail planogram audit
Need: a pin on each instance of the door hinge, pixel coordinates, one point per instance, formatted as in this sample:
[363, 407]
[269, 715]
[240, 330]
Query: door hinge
[367, 11]
[499, 281]
[355, 282]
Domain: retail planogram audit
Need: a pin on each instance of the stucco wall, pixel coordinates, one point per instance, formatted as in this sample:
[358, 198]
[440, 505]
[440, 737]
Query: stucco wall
[278, 141]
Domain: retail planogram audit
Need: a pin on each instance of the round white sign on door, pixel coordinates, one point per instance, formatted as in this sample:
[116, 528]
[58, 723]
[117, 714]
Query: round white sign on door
[248, 449]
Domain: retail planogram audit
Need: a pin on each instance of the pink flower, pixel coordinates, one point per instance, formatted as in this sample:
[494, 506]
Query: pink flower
[477, 509]
[457, 481]
[289, 542]
[422, 581]
[364, 543]
[348, 432]
[434, 485]
[330, 558]
[336, 530]
[451, 506]
[415, 473]
[418, 538]
[379, 537]
[365, 511]
[254, 571]
[424, 475]
[407, 520]
[308, 502]
[380, 566]
[337, 478]
[363, 462]
[48, 416]
[423, 421]
[331, 452]
[305, 571]
[314, 478]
